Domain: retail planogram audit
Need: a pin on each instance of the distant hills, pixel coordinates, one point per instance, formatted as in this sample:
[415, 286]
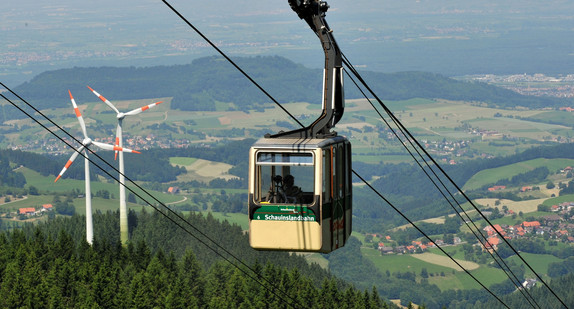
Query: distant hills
[197, 86]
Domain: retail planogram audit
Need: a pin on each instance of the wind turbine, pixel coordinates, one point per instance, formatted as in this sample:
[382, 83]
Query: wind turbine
[124, 233]
[85, 144]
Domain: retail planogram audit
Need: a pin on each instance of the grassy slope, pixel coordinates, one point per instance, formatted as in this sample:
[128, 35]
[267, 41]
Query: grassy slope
[491, 176]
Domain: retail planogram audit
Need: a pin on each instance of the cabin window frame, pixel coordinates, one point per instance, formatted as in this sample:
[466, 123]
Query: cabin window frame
[280, 162]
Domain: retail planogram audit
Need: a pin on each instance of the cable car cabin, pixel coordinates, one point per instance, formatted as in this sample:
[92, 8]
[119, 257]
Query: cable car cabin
[300, 194]
[300, 180]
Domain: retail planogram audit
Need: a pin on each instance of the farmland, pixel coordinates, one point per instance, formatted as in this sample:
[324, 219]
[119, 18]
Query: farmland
[441, 125]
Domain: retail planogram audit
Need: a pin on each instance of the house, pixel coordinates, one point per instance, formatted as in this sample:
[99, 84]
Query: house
[529, 283]
[530, 226]
[173, 190]
[520, 230]
[27, 211]
[386, 250]
[400, 249]
[496, 188]
[47, 207]
[552, 220]
[492, 243]
[526, 188]
[494, 229]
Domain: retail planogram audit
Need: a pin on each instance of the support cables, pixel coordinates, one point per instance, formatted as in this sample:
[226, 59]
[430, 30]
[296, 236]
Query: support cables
[476, 232]
[459, 190]
[207, 241]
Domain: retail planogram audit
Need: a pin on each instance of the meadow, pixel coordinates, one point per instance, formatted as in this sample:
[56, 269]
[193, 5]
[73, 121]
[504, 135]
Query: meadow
[491, 176]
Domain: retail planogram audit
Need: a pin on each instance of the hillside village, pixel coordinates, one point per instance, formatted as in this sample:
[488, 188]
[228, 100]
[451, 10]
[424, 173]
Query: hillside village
[558, 226]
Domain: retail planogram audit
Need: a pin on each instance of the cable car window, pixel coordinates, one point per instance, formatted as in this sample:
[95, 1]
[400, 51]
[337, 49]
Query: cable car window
[286, 178]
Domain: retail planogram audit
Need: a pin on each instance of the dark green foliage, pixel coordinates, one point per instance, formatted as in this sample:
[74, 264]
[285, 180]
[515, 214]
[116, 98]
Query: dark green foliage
[9, 177]
[42, 268]
[42, 164]
[569, 189]
[151, 165]
[536, 175]
[561, 268]
[561, 286]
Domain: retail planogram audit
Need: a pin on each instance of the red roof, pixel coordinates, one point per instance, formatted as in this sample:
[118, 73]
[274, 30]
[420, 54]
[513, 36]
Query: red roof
[531, 224]
[498, 228]
[492, 241]
[520, 231]
[47, 206]
[26, 210]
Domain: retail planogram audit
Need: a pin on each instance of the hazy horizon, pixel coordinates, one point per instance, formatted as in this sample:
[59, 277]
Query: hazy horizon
[438, 36]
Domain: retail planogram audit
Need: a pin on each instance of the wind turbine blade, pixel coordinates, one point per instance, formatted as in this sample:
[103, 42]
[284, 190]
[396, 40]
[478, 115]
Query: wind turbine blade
[70, 161]
[78, 115]
[111, 147]
[141, 109]
[105, 100]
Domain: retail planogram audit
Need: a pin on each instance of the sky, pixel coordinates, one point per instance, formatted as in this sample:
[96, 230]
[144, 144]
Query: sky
[442, 36]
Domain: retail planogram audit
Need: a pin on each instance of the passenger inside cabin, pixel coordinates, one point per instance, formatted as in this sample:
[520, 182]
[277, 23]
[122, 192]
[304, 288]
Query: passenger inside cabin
[286, 191]
[293, 193]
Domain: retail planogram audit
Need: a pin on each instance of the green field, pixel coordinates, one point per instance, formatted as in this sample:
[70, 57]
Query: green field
[559, 199]
[462, 281]
[46, 185]
[491, 176]
[182, 161]
[539, 262]
[446, 278]
[402, 263]
[232, 218]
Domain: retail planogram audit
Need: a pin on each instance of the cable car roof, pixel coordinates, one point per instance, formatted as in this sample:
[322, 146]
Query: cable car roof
[297, 143]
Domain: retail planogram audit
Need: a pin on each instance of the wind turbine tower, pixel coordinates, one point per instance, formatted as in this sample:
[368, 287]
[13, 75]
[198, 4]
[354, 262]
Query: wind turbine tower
[85, 144]
[124, 233]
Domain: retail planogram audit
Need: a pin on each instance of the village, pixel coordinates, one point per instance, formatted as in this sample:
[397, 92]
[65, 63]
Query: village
[557, 226]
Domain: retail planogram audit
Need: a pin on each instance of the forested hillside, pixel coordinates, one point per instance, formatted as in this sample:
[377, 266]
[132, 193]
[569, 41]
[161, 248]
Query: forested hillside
[197, 86]
[398, 181]
[151, 165]
[50, 265]
[9, 177]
